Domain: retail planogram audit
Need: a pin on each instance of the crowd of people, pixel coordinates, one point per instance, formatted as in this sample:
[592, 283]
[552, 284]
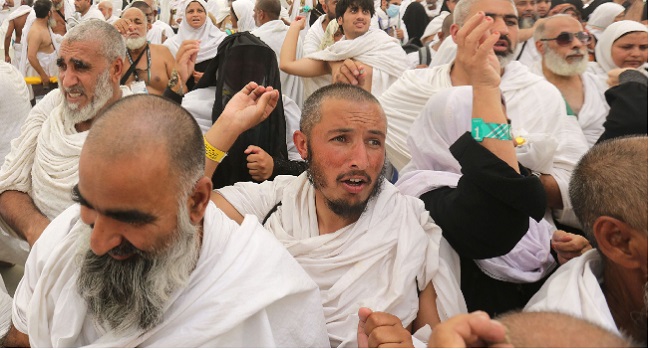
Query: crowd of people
[340, 173]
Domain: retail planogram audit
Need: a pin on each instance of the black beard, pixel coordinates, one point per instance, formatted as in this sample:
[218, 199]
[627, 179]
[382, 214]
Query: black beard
[339, 206]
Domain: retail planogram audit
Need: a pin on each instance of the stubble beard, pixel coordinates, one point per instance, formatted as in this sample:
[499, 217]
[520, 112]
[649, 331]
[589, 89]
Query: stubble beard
[339, 206]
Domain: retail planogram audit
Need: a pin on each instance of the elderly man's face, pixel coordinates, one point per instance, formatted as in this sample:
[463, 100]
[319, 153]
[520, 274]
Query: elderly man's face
[564, 59]
[85, 79]
[136, 36]
[346, 155]
[106, 11]
[141, 244]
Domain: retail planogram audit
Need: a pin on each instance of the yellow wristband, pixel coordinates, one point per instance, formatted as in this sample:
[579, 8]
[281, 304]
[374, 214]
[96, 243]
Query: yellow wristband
[213, 153]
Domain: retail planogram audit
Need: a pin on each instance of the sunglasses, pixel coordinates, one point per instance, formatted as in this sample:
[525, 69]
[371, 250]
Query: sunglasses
[566, 38]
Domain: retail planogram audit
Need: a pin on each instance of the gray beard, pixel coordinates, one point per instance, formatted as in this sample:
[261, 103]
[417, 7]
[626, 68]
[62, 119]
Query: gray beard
[51, 22]
[136, 43]
[558, 65]
[133, 294]
[73, 114]
[504, 60]
[58, 6]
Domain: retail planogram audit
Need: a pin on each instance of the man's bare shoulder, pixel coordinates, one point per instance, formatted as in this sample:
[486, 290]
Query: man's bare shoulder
[160, 49]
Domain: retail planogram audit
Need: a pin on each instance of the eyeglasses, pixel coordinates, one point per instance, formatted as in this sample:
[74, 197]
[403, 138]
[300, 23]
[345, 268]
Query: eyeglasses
[566, 38]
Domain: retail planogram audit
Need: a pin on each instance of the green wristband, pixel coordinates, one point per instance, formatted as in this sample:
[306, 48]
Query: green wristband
[481, 130]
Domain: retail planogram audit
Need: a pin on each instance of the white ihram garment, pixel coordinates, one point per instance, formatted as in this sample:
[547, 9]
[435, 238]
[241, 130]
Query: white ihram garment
[381, 261]
[245, 291]
[575, 289]
[376, 49]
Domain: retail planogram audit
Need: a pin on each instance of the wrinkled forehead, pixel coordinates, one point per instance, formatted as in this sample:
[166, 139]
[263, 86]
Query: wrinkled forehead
[564, 23]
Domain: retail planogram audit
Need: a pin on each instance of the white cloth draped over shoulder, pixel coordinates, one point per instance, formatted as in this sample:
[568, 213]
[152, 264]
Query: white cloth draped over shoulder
[24, 66]
[594, 108]
[380, 261]
[311, 44]
[209, 35]
[529, 56]
[243, 9]
[44, 159]
[158, 29]
[604, 62]
[533, 105]
[246, 291]
[575, 289]
[602, 17]
[273, 33]
[446, 117]
[13, 113]
[376, 49]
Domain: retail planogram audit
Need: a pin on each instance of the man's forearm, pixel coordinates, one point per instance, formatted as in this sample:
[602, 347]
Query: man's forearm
[7, 43]
[553, 194]
[21, 214]
[635, 11]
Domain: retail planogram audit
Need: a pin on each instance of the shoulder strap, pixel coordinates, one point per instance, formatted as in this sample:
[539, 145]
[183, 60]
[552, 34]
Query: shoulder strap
[523, 47]
[273, 210]
[131, 69]
[62, 16]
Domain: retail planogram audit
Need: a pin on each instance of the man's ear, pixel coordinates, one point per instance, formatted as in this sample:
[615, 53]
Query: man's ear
[198, 201]
[300, 140]
[617, 240]
[453, 31]
[339, 20]
[539, 45]
[116, 69]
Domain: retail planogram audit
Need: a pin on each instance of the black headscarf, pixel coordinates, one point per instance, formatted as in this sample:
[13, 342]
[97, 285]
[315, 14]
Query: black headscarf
[416, 20]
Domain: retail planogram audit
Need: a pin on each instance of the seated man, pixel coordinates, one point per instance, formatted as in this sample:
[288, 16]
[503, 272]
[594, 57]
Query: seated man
[562, 44]
[41, 168]
[151, 65]
[151, 262]
[534, 106]
[608, 285]
[380, 56]
[361, 240]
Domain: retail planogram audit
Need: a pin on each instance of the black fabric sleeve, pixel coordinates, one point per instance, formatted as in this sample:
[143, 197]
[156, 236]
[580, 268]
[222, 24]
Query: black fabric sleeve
[488, 213]
[287, 167]
[628, 114]
[168, 93]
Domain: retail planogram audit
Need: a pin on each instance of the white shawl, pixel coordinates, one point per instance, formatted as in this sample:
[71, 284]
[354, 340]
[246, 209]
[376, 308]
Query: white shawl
[272, 33]
[604, 62]
[575, 289]
[393, 250]
[20, 11]
[594, 108]
[245, 291]
[311, 44]
[529, 56]
[376, 49]
[243, 9]
[447, 116]
[154, 35]
[602, 17]
[534, 106]
[44, 159]
[209, 35]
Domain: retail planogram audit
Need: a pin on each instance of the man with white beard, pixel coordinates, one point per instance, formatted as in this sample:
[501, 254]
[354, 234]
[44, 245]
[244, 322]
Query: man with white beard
[41, 168]
[563, 45]
[106, 7]
[151, 65]
[151, 262]
[607, 285]
[534, 106]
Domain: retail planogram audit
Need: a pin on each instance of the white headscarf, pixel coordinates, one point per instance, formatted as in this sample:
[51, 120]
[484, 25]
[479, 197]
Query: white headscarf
[446, 117]
[609, 36]
[209, 35]
[602, 17]
[244, 11]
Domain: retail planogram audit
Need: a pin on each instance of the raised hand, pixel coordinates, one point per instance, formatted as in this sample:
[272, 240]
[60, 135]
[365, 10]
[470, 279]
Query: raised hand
[475, 51]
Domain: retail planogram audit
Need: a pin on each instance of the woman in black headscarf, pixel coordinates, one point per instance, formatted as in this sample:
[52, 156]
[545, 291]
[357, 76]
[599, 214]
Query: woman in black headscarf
[416, 20]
